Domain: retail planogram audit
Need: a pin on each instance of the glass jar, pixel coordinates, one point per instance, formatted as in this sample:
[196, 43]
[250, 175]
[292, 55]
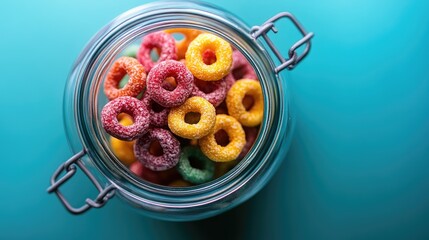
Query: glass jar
[83, 103]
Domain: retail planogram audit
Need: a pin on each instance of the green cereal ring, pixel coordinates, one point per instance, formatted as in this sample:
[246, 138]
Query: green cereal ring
[192, 174]
[131, 51]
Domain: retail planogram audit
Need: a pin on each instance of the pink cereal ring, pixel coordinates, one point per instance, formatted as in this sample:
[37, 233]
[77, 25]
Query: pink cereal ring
[121, 67]
[162, 41]
[240, 69]
[159, 73]
[170, 150]
[131, 106]
[158, 114]
[214, 92]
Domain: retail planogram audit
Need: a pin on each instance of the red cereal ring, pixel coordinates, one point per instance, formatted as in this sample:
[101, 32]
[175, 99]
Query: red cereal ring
[158, 114]
[162, 41]
[145, 173]
[121, 67]
[214, 92]
[159, 73]
[131, 106]
[240, 69]
[170, 150]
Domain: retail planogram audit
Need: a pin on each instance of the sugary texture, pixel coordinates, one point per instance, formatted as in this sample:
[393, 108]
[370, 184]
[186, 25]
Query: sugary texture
[214, 92]
[241, 69]
[181, 92]
[236, 135]
[193, 174]
[121, 67]
[234, 102]
[158, 40]
[158, 114]
[123, 150]
[170, 150]
[131, 106]
[195, 59]
[145, 173]
[251, 135]
[178, 125]
[188, 36]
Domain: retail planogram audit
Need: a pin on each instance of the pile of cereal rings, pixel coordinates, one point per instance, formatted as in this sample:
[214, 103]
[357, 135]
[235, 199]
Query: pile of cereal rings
[181, 112]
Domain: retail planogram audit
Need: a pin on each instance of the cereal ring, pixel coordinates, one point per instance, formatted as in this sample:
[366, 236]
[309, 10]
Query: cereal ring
[214, 92]
[158, 114]
[236, 135]
[241, 69]
[123, 150]
[131, 106]
[188, 36]
[170, 148]
[251, 135]
[159, 40]
[121, 67]
[145, 173]
[234, 102]
[159, 73]
[194, 174]
[195, 62]
[178, 125]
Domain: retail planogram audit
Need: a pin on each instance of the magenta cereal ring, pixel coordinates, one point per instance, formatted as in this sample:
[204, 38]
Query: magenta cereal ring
[240, 69]
[158, 114]
[214, 92]
[131, 106]
[159, 73]
[170, 150]
[162, 41]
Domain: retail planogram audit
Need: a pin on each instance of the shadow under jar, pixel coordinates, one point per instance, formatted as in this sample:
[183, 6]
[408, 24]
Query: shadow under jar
[84, 99]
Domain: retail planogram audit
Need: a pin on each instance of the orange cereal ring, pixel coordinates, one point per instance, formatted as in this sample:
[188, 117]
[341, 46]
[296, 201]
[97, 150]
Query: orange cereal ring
[121, 67]
[188, 36]
[123, 150]
[234, 102]
[195, 57]
[178, 125]
[237, 140]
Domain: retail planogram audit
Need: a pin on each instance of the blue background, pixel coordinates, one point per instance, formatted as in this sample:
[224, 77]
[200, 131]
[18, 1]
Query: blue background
[359, 160]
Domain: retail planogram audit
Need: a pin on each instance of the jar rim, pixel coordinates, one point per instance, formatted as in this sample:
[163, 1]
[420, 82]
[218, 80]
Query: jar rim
[82, 97]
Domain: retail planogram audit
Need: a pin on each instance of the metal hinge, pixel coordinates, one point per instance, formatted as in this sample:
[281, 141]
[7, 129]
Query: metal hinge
[70, 169]
[294, 58]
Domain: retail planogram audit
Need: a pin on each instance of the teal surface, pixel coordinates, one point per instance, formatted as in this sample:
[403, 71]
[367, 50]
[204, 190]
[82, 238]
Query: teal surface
[358, 164]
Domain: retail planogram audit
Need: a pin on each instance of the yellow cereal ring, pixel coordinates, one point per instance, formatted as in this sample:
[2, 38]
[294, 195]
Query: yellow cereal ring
[237, 140]
[188, 36]
[178, 125]
[194, 57]
[123, 150]
[234, 102]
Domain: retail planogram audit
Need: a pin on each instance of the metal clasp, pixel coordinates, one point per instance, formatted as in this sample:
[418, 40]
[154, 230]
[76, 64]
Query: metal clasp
[294, 58]
[70, 168]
